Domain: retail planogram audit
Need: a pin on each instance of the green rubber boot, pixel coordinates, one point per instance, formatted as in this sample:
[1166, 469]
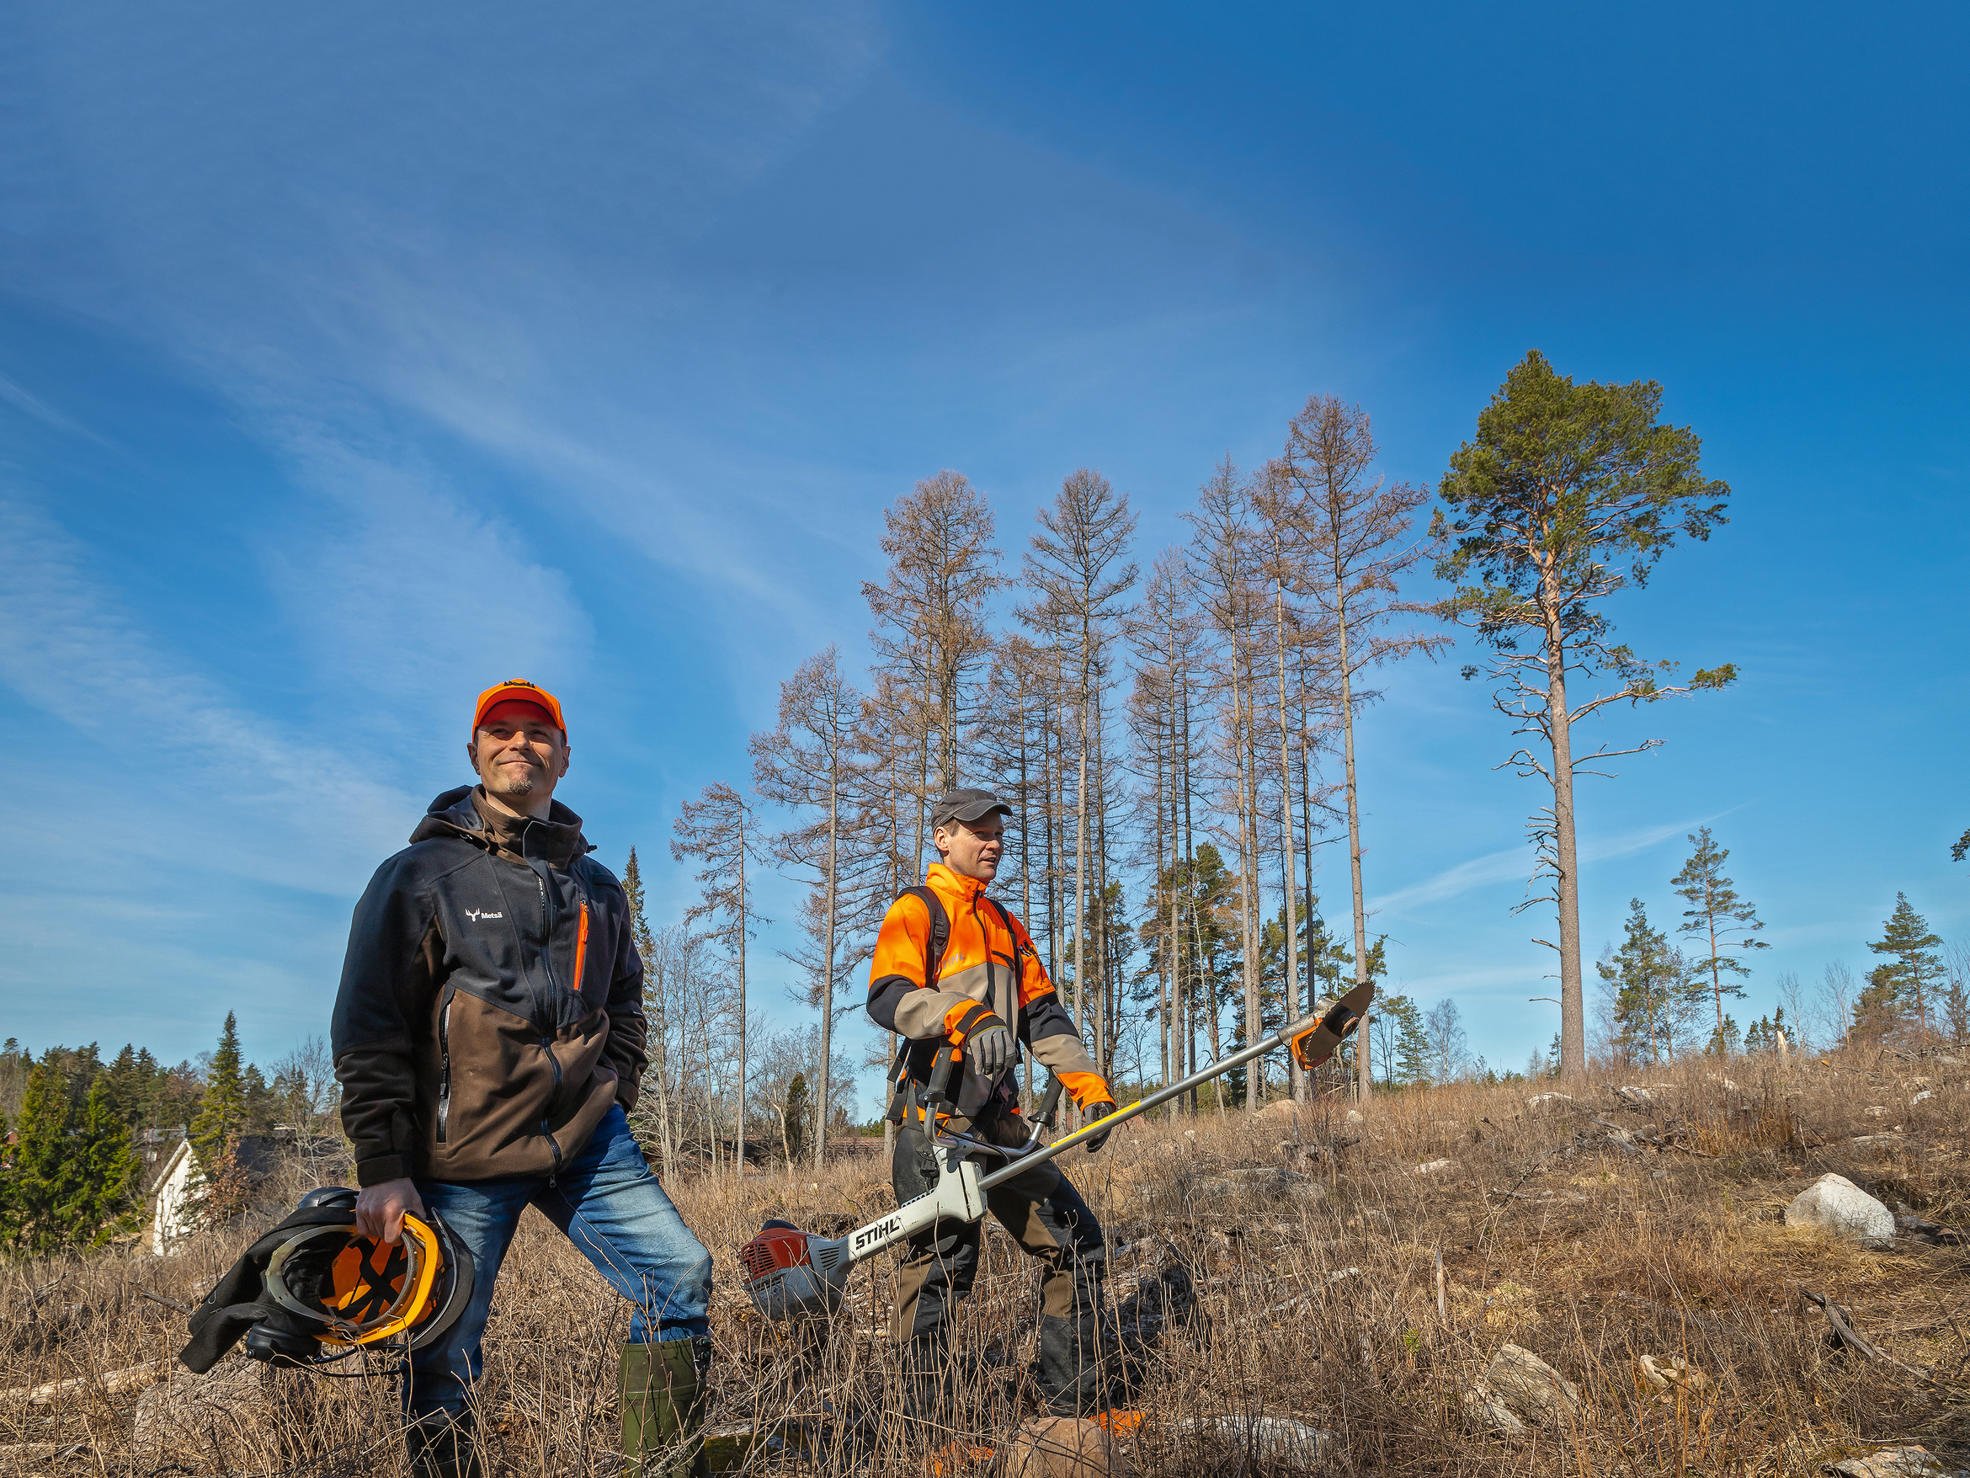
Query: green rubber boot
[662, 1406]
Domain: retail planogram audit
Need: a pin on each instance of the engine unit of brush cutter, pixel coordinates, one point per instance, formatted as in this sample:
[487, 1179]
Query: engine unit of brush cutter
[791, 1273]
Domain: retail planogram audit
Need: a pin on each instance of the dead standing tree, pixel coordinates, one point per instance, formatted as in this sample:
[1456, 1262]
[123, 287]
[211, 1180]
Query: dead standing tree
[1224, 563]
[1284, 569]
[810, 764]
[717, 830]
[1355, 535]
[1079, 566]
[1015, 740]
[1163, 634]
[1567, 494]
[930, 632]
[1009, 741]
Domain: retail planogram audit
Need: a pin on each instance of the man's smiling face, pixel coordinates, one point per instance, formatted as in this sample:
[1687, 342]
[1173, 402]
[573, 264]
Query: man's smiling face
[520, 755]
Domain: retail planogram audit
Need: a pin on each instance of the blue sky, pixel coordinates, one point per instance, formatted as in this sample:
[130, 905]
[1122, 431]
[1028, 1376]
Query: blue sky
[351, 359]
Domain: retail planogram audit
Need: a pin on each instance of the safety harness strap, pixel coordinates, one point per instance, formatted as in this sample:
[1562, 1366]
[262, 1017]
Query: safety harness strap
[905, 1094]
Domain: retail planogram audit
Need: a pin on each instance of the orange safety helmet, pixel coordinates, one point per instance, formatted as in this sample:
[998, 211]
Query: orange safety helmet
[328, 1290]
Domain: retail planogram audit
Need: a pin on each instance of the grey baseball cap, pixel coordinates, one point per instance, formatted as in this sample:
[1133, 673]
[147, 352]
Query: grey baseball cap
[966, 804]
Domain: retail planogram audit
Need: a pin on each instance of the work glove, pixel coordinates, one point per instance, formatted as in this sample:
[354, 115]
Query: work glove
[1100, 1109]
[989, 1045]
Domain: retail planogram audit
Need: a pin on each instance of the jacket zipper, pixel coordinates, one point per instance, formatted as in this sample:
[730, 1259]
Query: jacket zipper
[547, 935]
[985, 938]
[547, 1043]
[553, 1092]
[444, 1065]
[546, 930]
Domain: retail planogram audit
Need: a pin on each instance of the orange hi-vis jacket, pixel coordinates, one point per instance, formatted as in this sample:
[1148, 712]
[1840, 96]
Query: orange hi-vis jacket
[989, 961]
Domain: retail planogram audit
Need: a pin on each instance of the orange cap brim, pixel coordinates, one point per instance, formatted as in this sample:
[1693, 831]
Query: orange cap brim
[519, 690]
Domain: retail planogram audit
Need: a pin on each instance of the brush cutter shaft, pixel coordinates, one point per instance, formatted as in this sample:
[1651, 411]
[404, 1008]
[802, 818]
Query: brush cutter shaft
[1337, 1020]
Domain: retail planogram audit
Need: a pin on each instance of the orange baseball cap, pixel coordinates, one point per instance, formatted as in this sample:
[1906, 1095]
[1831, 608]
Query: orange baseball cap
[519, 690]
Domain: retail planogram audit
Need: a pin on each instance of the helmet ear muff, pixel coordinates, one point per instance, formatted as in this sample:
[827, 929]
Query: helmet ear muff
[279, 1340]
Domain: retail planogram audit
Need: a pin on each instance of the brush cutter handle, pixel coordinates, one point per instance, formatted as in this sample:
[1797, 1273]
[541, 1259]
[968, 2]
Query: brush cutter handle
[938, 1089]
[1049, 1106]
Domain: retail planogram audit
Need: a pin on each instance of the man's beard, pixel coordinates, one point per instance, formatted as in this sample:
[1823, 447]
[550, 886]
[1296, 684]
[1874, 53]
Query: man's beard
[514, 780]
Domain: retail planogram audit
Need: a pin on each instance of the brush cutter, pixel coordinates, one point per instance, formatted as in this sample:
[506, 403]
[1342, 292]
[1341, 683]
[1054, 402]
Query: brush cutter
[793, 1274]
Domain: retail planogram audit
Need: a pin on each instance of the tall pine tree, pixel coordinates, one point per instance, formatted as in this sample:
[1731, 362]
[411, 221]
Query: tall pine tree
[1568, 494]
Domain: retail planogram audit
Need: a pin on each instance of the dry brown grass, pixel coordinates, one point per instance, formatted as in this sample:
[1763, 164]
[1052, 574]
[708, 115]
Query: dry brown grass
[1549, 1235]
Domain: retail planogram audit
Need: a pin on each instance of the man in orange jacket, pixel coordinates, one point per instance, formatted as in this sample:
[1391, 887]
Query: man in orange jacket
[957, 976]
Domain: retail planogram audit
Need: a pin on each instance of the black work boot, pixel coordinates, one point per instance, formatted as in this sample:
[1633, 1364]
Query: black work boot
[663, 1391]
[1075, 1379]
[441, 1446]
[929, 1390]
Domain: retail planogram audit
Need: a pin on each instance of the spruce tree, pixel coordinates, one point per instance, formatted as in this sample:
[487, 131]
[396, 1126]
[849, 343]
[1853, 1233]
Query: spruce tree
[1902, 983]
[797, 1114]
[112, 1170]
[1649, 981]
[48, 1176]
[1721, 922]
[219, 1123]
[124, 1081]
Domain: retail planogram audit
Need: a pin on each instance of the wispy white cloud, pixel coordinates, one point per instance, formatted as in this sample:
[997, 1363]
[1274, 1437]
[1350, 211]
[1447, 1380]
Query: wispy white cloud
[1490, 980]
[398, 583]
[1515, 864]
[370, 316]
[17, 395]
[306, 812]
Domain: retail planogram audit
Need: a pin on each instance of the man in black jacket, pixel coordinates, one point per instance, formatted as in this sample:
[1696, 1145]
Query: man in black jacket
[489, 1039]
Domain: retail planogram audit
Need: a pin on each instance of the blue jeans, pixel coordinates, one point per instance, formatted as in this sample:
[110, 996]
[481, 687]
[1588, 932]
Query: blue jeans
[612, 1208]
